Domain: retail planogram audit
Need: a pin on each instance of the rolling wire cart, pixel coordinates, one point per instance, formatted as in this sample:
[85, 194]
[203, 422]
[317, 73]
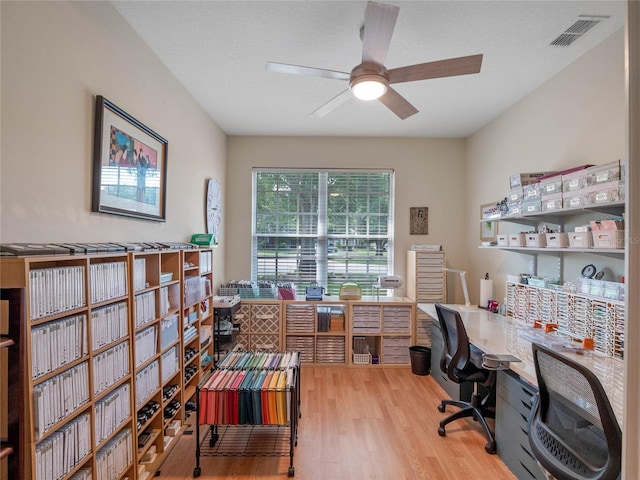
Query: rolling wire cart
[247, 405]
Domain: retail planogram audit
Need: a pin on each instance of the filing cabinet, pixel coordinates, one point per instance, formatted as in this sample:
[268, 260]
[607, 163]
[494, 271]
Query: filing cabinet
[513, 408]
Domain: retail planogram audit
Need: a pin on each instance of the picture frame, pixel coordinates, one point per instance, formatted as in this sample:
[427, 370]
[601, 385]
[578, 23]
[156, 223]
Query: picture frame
[488, 227]
[418, 220]
[129, 165]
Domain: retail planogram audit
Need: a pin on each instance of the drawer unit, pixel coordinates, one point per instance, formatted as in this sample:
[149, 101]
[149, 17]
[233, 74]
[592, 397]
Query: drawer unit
[243, 316]
[513, 408]
[260, 324]
[265, 318]
[423, 328]
[330, 349]
[366, 319]
[264, 342]
[304, 344]
[395, 350]
[396, 319]
[300, 318]
[426, 283]
[242, 341]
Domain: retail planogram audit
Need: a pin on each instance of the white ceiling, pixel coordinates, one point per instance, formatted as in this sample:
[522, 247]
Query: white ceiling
[219, 49]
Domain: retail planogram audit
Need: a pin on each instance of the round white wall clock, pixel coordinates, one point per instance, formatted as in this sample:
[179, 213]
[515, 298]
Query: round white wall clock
[214, 208]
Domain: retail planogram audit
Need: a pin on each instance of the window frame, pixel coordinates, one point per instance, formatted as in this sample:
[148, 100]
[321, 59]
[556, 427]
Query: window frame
[323, 238]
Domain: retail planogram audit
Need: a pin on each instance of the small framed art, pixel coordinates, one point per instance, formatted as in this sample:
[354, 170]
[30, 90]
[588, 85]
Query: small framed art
[488, 226]
[419, 220]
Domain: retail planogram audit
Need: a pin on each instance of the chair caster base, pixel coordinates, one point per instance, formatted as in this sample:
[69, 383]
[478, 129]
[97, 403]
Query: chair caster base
[441, 431]
[490, 447]
[441, 408]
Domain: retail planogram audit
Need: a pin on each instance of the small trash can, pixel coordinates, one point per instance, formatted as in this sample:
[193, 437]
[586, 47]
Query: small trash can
[420, 359]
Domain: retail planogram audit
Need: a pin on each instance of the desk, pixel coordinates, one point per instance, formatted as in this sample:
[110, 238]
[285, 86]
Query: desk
[497, 334]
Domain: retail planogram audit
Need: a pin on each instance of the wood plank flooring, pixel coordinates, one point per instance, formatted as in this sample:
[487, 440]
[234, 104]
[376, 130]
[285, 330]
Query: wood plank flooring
[360, 424]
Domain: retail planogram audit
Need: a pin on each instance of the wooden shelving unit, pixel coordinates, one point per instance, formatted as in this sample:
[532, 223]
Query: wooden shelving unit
[67, 356]
[105, 331]
[12, 381]
[197, 318]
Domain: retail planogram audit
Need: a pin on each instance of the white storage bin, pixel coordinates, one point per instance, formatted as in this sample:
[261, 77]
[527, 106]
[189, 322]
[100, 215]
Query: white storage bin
[613, 290]
[577, 199]
[580, 239]
[551, 186]
[605, 193]
[531, 207]
[514, 195]
[514, 209]
[584, 285]
[551, 203]
[608, 238]
[517, 240]
[557, 240]
[537, 240]
[503, 240]
[531, 192]
[522, 179]
[597, 288]
[603, 173]
[574, 181]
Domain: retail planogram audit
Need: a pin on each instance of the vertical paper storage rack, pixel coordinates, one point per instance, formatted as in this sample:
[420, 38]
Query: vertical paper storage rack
[247, 404]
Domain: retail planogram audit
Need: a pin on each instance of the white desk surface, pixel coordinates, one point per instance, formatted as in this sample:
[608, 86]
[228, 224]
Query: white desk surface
[497, 334]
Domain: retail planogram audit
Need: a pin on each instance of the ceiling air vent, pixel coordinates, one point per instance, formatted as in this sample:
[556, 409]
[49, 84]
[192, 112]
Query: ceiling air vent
[579, 28]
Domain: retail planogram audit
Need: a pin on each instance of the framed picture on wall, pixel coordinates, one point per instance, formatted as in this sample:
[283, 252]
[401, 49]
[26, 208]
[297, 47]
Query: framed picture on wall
[129, 165]
[418, 221]
[488, 225]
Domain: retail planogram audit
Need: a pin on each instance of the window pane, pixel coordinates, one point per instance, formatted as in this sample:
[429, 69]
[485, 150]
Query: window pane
[303, 239]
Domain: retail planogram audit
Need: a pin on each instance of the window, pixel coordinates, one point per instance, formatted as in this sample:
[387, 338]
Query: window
[322, 226]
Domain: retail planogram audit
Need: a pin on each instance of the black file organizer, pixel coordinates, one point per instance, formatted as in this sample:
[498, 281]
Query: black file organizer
[249, 438]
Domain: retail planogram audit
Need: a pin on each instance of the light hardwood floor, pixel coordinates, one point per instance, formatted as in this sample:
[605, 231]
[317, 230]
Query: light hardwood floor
[360, 423]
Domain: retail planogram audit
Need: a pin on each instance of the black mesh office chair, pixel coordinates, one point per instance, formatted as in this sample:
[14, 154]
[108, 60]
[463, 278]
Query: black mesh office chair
[462, 362]
[573, 431]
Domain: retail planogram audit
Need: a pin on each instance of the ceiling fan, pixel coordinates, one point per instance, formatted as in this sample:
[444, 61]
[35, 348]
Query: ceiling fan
[371, 80]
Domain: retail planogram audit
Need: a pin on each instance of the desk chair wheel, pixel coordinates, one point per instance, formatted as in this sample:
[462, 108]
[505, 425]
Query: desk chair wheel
[490, 447]
[442, 432]
[442, 407]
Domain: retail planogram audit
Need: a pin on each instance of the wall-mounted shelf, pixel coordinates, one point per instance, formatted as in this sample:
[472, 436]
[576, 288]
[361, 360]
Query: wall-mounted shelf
[558, 217]
[615, 208]
[615, 252]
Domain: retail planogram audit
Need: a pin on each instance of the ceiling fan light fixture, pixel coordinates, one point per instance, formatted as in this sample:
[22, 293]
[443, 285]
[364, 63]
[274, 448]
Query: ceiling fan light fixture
[369, 87]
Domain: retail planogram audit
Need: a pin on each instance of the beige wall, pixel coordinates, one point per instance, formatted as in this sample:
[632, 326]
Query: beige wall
[428, 172]
[575, 118]
[56, 56]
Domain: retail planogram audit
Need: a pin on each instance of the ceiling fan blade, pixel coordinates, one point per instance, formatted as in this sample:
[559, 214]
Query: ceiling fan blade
[379, 22]
[307, 71]
[332, 104]
[398, 104]
[441, 68]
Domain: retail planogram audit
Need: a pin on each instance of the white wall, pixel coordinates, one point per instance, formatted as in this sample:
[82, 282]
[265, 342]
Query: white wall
[575, 118]
[56, 56]
[428, 172]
